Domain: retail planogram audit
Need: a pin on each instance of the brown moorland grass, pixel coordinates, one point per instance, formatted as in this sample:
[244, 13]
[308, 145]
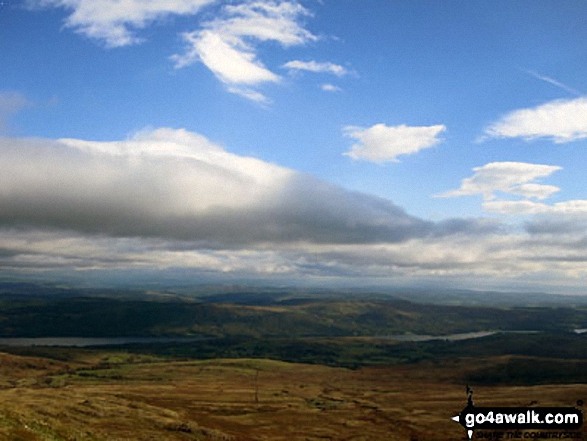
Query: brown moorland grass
[98, 395]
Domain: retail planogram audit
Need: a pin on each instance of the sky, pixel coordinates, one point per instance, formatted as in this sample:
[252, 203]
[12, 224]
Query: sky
[330, 142]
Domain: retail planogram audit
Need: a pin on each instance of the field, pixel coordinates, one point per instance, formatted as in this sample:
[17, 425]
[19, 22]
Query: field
[280, 370]
[98, 395]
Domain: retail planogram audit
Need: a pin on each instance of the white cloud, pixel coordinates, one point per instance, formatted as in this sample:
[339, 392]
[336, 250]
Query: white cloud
[381, 143]
[231, 63]
[114, 22]
[554, 82]
[526, 207]
[175, 184]
[44, 250]
[160, 183]
[227, 45]
[514, 178]
[314, 66]
[169, 200]
[11, 102]
[560, 120]
[265, 20]
[556, 260]
[250, 94]
[330, 88]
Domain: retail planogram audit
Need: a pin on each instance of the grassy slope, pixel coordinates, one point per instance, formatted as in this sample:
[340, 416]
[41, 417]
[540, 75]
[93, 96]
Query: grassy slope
[99, 395]
[206, 390]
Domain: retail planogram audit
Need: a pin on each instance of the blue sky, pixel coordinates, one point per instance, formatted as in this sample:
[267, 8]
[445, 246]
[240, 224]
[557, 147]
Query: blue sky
[386, 142]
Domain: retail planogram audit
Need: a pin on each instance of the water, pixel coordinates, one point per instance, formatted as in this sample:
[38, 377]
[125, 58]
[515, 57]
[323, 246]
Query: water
[449, 337]
[81, 342]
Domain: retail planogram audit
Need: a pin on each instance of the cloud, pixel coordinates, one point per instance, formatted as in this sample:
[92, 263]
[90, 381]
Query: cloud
[232, 64]
[250, 94]
[11, 102]
[381, 143]
[171, 201]
[560, 120]
[28, 249]
[553, 257]
[530, 207]
[314, 66]
[517, 179]
[330, 88]
[554, 82]
[555, 225]
[114, 22]
[177, 185]
[513, 178]
[227, 45]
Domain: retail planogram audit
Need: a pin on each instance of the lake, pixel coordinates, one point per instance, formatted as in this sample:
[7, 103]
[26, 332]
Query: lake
[449, 337]
[81, 342]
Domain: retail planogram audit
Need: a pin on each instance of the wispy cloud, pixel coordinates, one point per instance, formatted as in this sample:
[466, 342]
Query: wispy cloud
[250, 94]
[381, 143]
[11, 102]
[115, 22]
[531, 207]
[317, 67]
[554, 82]
[232, 64]
[227, 45]
[330, 88]
[560, 120]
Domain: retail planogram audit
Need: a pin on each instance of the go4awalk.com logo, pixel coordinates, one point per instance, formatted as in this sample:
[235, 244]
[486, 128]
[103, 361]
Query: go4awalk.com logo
[551, 422]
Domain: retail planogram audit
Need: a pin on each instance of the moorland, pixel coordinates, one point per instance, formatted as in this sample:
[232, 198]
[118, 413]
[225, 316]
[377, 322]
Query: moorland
[277, 365]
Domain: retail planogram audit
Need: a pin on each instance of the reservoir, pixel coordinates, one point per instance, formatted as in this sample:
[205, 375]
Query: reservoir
[81, 342]
[449, 337]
